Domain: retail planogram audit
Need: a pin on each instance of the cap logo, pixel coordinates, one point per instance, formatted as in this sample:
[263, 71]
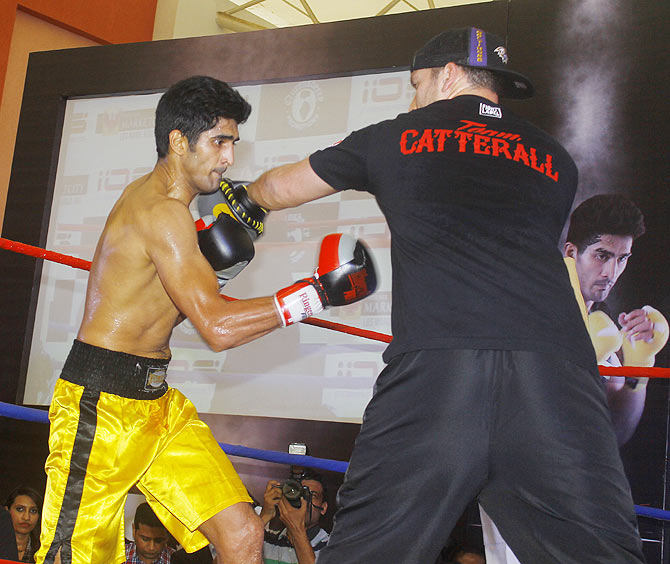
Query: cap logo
[502, 53]
[477, 48]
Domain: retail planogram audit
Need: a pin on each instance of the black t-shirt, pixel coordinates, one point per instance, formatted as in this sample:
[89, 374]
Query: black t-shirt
[475, 199]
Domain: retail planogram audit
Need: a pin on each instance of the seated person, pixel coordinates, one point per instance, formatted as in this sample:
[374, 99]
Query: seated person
[150, 539]
[25, 508]
[299, 537]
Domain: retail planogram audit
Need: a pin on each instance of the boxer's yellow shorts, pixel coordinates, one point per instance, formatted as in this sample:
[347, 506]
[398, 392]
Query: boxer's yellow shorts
[101, 445]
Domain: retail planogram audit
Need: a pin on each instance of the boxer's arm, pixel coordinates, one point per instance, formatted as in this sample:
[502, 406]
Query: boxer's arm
[190, 282]
[645, 332]
[288, 186]
[626, 406]
[625, 403]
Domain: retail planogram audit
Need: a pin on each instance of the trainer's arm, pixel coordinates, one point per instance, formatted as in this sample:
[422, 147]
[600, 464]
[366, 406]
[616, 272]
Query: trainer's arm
[288, 186]
[190, 282]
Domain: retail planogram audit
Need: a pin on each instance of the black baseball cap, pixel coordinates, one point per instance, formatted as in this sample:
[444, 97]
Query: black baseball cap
[476, 48]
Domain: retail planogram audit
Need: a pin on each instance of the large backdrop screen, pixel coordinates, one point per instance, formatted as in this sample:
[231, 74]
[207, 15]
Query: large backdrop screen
[302, 372]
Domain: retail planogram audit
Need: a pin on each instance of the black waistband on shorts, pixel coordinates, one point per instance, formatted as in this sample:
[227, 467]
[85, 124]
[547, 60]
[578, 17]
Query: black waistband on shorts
[118, 373]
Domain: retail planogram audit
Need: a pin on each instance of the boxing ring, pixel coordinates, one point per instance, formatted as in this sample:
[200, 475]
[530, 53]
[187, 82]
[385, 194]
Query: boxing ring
[40, 416]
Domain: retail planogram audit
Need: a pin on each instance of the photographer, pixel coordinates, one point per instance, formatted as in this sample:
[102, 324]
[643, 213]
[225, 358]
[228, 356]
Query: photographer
[300, 537]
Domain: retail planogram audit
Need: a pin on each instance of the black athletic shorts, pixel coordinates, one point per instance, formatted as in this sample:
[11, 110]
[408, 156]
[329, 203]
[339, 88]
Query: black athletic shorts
[527, 433]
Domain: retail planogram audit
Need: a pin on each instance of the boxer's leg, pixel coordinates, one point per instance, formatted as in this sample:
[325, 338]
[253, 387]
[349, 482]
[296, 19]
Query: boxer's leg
[237, 534]
[194, 490]
[99, 446]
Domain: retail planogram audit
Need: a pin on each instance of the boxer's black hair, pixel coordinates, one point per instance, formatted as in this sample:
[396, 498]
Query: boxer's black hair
[193, 106]
[604, 214]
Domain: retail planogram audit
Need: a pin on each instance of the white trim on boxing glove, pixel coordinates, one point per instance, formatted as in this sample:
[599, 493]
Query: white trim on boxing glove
[297, 302]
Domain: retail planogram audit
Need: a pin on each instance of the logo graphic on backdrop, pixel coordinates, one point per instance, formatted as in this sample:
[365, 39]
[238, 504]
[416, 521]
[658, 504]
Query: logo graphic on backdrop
[302, 105]
[75, 185]
[377, 97]
[129, 124]
[303, 109]
[118, 178]
[77, 124]
[384, 90]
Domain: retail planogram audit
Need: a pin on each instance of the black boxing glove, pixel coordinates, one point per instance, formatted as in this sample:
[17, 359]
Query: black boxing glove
[226, 244]
[233, 200]
[345, 274]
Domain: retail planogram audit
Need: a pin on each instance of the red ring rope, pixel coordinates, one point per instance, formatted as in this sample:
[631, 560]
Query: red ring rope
[82, 264]
[338, 327]
[635, 371]
[22, 248]
[29, 250]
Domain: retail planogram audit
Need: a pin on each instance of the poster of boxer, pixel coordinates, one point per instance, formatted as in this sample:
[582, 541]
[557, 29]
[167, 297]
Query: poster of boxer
[599, 61]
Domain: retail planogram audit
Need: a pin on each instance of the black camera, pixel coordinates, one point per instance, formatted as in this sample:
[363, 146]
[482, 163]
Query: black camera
[293, 490]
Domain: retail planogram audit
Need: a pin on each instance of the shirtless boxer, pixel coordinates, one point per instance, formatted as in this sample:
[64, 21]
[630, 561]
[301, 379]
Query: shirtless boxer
[114, 421]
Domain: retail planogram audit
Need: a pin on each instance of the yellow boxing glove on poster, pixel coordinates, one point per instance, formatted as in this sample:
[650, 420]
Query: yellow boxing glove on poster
[605, 335]
[643, 353]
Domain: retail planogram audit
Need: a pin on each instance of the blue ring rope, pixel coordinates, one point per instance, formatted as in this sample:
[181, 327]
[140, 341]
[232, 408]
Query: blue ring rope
[40, 416]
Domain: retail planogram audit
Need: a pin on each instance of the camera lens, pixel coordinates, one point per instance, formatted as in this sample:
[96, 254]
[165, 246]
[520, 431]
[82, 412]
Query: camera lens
[292, 490]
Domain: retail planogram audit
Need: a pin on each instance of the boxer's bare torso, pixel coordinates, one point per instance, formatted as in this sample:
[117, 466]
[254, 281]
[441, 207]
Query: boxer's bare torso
[127, 307]
[148, 273]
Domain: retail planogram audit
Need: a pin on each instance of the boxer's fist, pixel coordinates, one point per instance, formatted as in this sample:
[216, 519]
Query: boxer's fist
[645, 332]
[345, 274]
[637, 325]
[233, 200]
[226, 244]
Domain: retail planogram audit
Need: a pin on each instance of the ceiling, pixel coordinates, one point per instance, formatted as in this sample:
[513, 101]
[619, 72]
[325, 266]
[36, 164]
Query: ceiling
[248, 15]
